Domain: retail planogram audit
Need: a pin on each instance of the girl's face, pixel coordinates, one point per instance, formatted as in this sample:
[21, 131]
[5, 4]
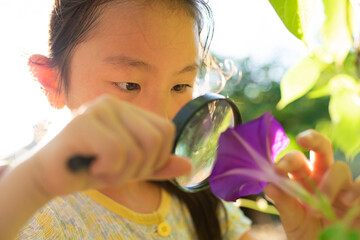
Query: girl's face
[144, 55]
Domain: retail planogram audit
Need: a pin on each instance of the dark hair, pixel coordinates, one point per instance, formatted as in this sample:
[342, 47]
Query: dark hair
[71, 21]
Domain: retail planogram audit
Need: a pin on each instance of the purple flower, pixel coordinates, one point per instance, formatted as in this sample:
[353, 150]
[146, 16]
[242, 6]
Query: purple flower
[244, 164]
[245, 158]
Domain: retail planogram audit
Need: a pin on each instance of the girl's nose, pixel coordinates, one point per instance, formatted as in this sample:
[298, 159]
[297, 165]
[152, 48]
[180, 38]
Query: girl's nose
[158, 104]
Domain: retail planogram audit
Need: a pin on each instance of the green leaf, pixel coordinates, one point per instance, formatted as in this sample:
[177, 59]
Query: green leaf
[298, 80]
[337, 28]
[320, 92]
[323, 126]
[295, 14]
[322, 87]
[349, 66]
[344, 108]
[337, 232]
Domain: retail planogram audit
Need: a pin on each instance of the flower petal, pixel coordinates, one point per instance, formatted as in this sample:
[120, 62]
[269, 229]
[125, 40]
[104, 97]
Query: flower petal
[238, 182]
[276, 136]
[252, 146]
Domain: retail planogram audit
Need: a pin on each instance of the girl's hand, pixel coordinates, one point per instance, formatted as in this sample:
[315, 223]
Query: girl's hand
[332, 179]
[128, 142]
[2, 169]
[351, 198]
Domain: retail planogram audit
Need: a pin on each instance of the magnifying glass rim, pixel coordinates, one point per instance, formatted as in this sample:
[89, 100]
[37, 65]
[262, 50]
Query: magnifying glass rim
[183, 117]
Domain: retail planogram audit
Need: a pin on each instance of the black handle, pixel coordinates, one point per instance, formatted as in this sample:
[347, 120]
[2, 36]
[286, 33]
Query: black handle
[78, 163]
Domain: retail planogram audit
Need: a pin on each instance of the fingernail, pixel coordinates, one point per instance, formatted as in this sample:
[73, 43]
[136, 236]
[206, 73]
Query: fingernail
[304, 134]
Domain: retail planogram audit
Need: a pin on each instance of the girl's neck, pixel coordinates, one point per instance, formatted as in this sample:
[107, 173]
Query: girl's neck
[138, 196]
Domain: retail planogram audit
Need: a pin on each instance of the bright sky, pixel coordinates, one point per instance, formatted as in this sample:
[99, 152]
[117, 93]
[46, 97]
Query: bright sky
[243, 28]
[252, 28]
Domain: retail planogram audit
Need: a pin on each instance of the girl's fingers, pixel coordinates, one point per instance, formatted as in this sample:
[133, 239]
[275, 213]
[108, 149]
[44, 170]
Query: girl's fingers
[85, 136]
[175, 167]
[147, 135]
[129, 143]
[336, 179]
[150, 136]
[117, 159]
[290, 210]
[150, 140]
[295, 163]
[133, 146]
[154, 134]
[134, 153]
[352, 195]
[102, 142]
[322, 148]
[2, 169]
[167, 130]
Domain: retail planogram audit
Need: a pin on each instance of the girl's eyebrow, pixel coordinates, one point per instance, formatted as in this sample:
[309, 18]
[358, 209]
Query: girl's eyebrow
[126, 61]
[122, 60]
[190, 68]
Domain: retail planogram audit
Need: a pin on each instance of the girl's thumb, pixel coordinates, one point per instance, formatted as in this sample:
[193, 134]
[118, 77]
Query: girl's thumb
[175, 167]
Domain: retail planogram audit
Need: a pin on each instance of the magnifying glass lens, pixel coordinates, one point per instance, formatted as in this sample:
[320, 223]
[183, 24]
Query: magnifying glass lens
[199, 140]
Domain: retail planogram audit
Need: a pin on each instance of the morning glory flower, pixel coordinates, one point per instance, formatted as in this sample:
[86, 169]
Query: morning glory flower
[244, 164]
[245, 157]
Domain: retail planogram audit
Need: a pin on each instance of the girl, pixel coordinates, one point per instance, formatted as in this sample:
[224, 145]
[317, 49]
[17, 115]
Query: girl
[125, 68]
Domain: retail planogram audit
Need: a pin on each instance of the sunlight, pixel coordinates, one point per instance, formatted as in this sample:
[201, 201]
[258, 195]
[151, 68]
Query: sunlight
[24, 25]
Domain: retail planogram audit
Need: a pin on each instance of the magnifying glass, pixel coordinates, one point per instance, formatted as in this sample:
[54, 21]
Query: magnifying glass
[198, 127]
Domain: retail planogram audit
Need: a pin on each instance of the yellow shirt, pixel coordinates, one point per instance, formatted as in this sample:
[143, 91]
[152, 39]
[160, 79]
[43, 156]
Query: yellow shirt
[92, 215]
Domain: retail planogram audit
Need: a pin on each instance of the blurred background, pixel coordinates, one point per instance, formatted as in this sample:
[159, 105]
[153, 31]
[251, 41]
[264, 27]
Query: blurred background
[249, 32]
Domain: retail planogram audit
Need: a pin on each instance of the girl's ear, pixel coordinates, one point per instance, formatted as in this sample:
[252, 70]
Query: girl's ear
[48, 78]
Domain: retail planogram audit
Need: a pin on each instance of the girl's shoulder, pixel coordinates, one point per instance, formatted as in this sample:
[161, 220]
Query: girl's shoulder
[57, 219]
[233, 223]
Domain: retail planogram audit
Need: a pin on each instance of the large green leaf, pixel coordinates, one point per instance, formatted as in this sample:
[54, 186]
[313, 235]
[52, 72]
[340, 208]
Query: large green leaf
[344, 108]
[337, 28]
[299, 80]
[295, 14]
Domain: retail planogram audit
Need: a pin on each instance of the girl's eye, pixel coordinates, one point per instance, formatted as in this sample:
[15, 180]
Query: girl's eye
[128, 86]
[180, 88]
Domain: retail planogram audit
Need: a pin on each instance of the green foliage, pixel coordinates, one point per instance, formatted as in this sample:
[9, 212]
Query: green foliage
[299, 80]
[339, 231]
[301, 115]
[337, 28]
[295, 15]
[344, 110]
[331, 70]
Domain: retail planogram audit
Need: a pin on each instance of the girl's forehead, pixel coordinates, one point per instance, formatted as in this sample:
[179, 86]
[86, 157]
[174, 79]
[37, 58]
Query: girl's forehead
[130, 17]
[152, 34]
[154, 25]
